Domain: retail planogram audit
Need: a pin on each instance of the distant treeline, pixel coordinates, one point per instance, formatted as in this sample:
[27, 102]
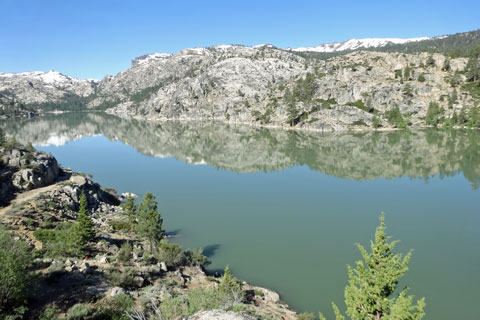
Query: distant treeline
[455, 45]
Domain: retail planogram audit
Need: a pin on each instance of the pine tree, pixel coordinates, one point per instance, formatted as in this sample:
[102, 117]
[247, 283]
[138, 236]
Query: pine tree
[84, 227]
[473, 65]
[130, 209]
[372, 283]
[149, 225]
[2, 137]
[229, 286]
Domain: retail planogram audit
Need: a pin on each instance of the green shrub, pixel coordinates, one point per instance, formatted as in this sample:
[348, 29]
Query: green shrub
[421, 78]
[120, 225]
[125, 253]
[434, 113]
[360, 105]
[50, 313]
[395, 117]
[173, 308]
[60, 241]
[306, 316]
[170, 253]
[80, 311]
[196, 258]
[15, 259]
[121, 279]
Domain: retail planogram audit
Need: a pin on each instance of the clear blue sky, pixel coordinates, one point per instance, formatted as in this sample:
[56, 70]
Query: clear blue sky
[89, 39]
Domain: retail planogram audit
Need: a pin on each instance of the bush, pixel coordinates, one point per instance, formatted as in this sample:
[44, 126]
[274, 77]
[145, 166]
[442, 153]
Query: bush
[121, 279]
[196, 258]
[60, 241]
[50, 313]
[115, 308]
[15, 259]
[395, 117]
[170, 253]
[120, 225]
[421, 78]
[80, 311]
[434, 114]
[306, 316]
[125, 253]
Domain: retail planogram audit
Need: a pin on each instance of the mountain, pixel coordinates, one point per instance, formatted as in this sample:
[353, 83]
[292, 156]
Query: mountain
[267, 86]
[355, 44]
[31, 91]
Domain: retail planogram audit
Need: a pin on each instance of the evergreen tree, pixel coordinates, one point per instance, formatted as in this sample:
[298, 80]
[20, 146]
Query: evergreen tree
[149, 225]
[472, 68]
[434, 114]
[2, 137]
[84, 228]
[372, 283]
[229, 286]
[130, 209]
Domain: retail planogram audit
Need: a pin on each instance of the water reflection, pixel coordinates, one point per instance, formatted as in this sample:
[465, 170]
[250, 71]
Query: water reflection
[239, 148]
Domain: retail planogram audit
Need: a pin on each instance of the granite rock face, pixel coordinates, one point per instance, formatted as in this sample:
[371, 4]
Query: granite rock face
[260, 85]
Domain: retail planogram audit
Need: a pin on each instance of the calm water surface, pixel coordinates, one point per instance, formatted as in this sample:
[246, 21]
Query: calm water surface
[284, 209]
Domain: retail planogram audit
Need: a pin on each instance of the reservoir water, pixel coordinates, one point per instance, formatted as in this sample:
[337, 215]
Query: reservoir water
[284, 209]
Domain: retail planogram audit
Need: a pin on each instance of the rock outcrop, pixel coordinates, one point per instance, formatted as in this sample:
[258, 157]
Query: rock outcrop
[22, 169]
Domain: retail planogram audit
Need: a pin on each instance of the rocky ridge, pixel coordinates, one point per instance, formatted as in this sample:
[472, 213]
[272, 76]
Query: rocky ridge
[264, 86]
[98, 279]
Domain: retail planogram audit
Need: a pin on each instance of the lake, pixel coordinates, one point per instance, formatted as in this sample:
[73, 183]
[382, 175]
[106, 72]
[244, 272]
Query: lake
[284, 208]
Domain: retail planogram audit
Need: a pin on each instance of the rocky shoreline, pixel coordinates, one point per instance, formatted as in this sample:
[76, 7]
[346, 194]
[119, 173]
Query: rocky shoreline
[37, 194]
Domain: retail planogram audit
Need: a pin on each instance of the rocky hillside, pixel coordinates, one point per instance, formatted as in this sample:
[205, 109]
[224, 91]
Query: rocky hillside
[116, 273]
[271, 87]
[268, 86]
[34, 92]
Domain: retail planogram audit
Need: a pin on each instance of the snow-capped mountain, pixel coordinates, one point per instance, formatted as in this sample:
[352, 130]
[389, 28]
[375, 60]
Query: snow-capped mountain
[354, 44]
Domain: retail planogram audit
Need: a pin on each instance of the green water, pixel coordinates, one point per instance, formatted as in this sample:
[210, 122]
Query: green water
[284, 209]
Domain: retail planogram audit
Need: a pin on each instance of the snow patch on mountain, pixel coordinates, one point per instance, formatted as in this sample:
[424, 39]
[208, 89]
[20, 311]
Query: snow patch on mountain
[354, 44]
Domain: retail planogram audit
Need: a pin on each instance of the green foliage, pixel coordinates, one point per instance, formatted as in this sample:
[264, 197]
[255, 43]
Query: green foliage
[61, 241]
[373, 282]
[230, 287]
[80, 311]
[421, 77]
[303, 90]
[15, 259]
[125, 252]
[446, 65]
[50, 313]
[376, 122]
[120, 225]
[114, 308]
[122, 279]
[472, 69]
[3, 139]
[407, 72]
[474, 118]
[68, 102]
[306, 316]
[170, 253]
[360, 105]
[430, 61]
[395, 117]
[84, 229]
[150, 222]
[434, 114]
[196, 258]
[130, 209]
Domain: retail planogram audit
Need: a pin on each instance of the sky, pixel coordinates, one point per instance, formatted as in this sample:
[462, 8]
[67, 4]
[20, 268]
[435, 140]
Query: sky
[90, 39]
